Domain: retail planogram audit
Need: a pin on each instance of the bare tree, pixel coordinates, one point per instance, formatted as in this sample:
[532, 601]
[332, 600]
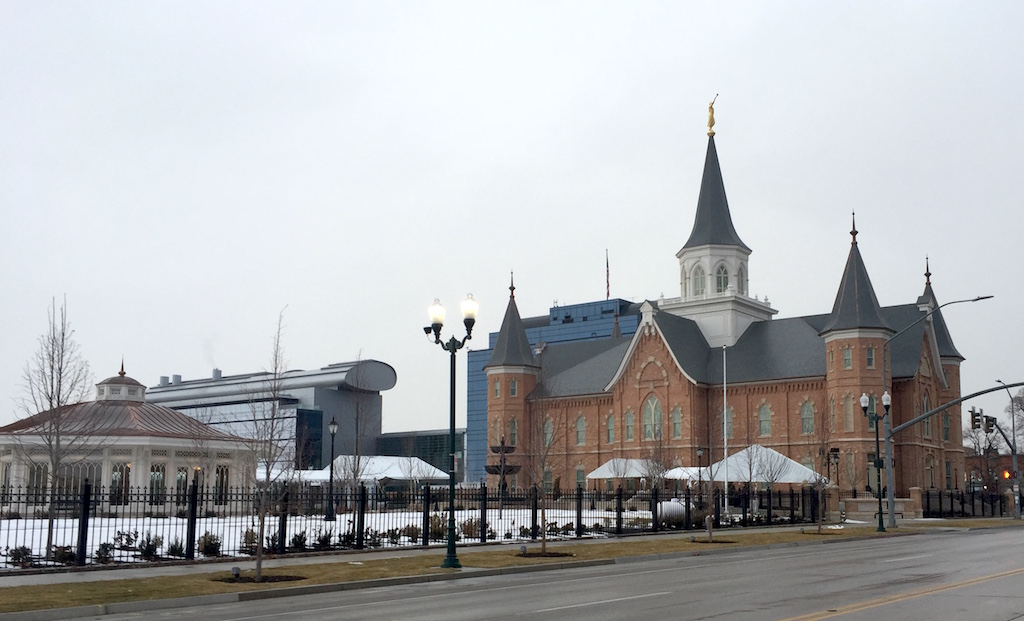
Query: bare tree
[656, 463]
[986, 449]
[819, 453]
[270, 438]
[54, 379]
[539, 453]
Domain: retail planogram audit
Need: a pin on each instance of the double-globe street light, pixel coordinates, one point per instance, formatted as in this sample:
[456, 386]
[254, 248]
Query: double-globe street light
[875, 419]
[436, 313]
[332, 427]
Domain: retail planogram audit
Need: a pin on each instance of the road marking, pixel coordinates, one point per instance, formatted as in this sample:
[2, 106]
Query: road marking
[605, 601]
[892, 599]
[905, 558]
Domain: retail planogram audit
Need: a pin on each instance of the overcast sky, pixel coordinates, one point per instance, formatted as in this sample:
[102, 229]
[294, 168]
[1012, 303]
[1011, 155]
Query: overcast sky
[183, 171]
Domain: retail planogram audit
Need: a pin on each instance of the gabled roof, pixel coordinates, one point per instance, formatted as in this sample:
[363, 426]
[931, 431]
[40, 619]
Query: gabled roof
[856, 305]
[713, 222]
[512, 348]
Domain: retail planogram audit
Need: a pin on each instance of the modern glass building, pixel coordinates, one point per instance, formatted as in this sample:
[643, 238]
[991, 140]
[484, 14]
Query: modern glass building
[578, 322]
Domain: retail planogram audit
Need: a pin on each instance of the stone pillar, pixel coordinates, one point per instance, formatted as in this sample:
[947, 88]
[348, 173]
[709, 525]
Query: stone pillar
[914, 505]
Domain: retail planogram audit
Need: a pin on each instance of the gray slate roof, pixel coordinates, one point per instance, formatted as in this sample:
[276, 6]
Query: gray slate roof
[856, 305]
[713, 222]
[512, 348]
[578, 368]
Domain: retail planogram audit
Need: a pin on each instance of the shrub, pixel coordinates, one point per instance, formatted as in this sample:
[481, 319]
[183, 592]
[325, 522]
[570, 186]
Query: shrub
[525, 532]
[271, 542]
[209, 544]
[299, 541]
[210, 513]
[248, 541]
[323, 539]
[64, 555]
[149, 546]
[347, 540]
[10, 515]
[373, 538]
[176, 548]
[470, 528]
[568, 528]
[126, 539]
[181, 514]
[20, 556]
[412, 531]
[394, 536]
[104, 553]
[438, 527]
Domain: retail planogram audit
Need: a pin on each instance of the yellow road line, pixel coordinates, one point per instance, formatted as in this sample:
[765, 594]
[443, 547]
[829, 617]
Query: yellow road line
[835, 612]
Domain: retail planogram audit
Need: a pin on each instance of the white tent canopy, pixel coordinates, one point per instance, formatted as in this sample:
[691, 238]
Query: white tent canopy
[376, 469]
[620, 468]
[688, 473]
[760, 464]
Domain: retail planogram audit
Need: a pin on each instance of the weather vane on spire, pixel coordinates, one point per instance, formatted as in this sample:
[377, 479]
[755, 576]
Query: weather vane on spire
[711, 116]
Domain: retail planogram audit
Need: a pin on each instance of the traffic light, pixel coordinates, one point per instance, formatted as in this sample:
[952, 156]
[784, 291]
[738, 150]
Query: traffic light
[990, 424]
[1006, 474]
[975, 419]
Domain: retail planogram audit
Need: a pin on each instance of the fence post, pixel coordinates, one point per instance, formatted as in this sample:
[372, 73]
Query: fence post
[654, 510]
[483, 512]
[618, 511]
[83, 524]
[746, 503]
[579, 510]
[282, 524]
[533, 514]
[361, 518]
[717, 501]
[193, 509]
[792, 507]
[769, 514]
[686, 497]
[426, 515]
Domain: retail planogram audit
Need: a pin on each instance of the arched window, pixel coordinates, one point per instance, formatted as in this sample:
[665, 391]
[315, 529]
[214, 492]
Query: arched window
[945, 427]
[611, 429]
[652, 418]
[581, 431]
[871, 413]
[806, 418]
[721, 279]
[677, 423]
[513, 432]
[741, 281]
[699, 281]
[764, 420]
[832, 413]
[549, 432]
[629, 426]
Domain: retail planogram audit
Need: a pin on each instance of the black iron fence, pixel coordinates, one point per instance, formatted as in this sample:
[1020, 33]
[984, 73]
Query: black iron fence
[119, 525]
[958, 503]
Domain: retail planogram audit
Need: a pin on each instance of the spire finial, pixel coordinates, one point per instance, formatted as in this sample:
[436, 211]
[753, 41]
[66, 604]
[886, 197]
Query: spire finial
[711, 116]
[512, 285]
[927, 272]
[121, 373]
[853, 231]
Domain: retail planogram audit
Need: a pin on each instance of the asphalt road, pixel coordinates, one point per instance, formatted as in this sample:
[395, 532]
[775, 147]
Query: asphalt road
[976, 575]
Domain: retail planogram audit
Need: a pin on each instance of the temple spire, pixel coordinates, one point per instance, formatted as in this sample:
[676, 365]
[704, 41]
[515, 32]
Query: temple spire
[853, 230]
[856, 306]
[927, 272]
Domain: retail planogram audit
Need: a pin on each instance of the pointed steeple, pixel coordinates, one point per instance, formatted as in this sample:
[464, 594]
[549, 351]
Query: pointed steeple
[713, 223]
[856, 305]
[512, 348]
[928, 301]
[616, 331]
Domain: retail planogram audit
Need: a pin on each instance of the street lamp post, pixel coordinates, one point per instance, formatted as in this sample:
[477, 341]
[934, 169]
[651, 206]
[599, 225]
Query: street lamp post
[437, 313]
[1013, 447]
[332, 427]
[700, 479]
[890, 478]
[876, 419]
